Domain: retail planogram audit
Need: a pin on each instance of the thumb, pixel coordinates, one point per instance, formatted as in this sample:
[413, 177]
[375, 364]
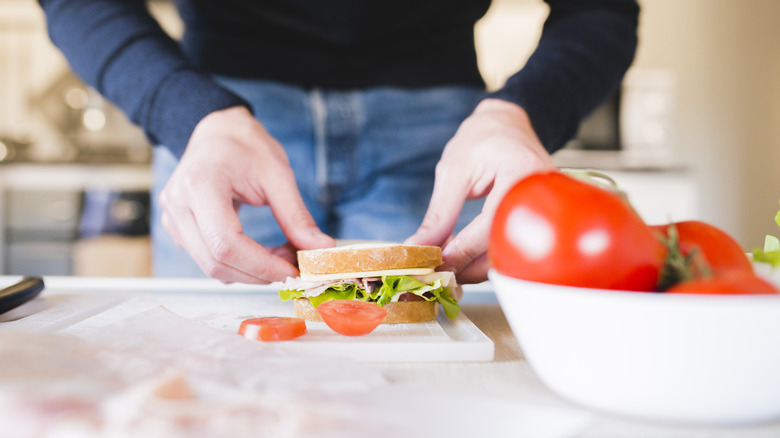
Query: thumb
[449, 194]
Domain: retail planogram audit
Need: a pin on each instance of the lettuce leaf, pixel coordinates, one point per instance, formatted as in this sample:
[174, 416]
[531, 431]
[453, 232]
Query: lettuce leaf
[392, 285]
[395, 284]
[771, 251]
[290, 294]
[334, 292]
[448, 303]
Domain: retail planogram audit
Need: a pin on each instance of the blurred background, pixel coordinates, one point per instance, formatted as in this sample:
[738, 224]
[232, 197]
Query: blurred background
[693, 133]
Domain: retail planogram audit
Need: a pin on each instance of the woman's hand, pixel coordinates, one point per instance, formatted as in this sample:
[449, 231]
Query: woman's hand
[493, 149]
[232, 160]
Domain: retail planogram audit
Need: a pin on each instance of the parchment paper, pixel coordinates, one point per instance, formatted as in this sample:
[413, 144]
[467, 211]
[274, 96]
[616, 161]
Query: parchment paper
[159, 374]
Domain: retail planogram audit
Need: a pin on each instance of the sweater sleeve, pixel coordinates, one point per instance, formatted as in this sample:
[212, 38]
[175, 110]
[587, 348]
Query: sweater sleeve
[585, 49]
[117, 47]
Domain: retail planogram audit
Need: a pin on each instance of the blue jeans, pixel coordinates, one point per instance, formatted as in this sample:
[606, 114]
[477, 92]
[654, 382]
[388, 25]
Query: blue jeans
[364, 161]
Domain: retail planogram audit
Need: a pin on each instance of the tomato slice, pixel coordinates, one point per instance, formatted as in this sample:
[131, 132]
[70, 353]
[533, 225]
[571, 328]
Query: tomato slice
[352, 317]
[727, 283]
[272, 328]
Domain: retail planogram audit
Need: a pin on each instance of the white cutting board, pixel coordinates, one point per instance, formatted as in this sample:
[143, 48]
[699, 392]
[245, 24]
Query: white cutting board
[73, 306]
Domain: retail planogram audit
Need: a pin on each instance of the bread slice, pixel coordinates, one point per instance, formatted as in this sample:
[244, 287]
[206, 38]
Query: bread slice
[397, 313]
[371, 256]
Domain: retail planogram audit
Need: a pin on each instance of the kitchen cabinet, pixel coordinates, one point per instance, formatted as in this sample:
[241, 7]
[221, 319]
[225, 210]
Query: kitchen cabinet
[40, 227]
[41, 208]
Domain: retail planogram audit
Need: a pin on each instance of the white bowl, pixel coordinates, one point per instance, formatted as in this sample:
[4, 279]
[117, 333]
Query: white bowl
[671, 357]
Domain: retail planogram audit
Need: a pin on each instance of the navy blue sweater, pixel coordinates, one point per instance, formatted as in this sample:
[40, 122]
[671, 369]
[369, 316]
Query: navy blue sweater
[166, 87]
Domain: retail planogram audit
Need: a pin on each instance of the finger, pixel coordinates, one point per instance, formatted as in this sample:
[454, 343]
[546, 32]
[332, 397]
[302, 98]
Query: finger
[449, 193]
[471, 243]
[184, 225]
[467, 245]
[292, 215]
[212, 266]
[226, 244]
[474, 272]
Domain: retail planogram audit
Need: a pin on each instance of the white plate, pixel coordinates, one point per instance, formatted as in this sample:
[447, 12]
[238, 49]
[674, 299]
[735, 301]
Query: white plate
[80, 305]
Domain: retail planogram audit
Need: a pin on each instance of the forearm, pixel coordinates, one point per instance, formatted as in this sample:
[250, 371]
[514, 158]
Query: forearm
[118, 48]
[585, 49]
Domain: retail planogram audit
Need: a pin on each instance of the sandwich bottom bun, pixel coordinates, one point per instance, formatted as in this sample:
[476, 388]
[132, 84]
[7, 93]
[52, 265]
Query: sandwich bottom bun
[397, 313]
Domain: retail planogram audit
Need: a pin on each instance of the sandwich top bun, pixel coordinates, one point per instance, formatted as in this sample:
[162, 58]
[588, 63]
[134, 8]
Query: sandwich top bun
[368, 257]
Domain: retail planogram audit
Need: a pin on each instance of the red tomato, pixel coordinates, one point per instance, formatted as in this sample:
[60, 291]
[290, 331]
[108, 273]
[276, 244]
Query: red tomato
[726, 283]
[352, 317]
[272, 328]
[553, 228]
[719, 249]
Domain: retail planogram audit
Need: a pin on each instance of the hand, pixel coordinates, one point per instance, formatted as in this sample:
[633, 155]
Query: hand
[493, 149]
[232, 160]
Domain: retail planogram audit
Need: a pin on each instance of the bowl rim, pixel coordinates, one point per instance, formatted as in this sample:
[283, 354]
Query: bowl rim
[645, 296]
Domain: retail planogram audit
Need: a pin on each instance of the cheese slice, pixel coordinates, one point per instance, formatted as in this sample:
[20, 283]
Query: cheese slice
[345, 275]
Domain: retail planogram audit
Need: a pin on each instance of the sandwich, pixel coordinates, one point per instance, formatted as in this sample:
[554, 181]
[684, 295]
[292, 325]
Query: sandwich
[400, 278]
